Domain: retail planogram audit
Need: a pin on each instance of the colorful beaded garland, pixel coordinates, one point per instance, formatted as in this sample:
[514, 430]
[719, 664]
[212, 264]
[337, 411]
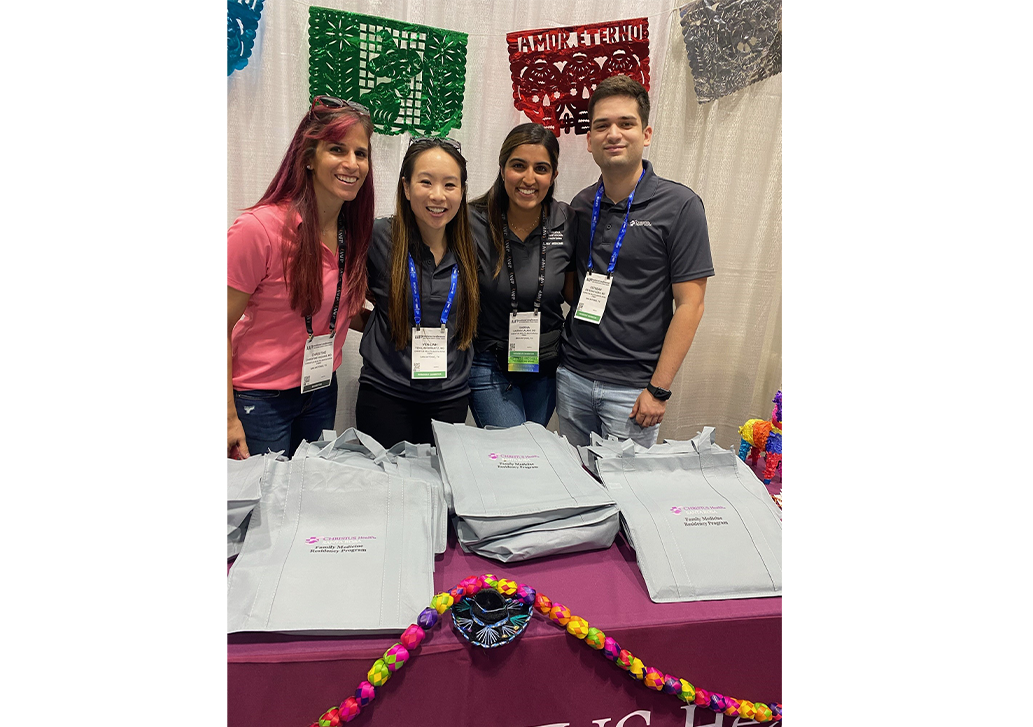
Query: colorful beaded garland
[560, 614]
[595, 638]
[395, 657]
[400, 652]
[364, 694]
[412, 637]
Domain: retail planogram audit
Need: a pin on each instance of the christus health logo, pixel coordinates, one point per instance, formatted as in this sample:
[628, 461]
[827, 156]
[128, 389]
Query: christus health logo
[693, 509]
[313, 539]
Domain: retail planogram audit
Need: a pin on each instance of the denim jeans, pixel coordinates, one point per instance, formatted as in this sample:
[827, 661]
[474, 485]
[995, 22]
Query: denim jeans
[278, 420]
[585, 406]
[500, 400]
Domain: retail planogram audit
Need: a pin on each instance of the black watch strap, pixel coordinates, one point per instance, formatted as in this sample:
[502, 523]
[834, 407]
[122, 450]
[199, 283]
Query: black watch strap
[658, 393]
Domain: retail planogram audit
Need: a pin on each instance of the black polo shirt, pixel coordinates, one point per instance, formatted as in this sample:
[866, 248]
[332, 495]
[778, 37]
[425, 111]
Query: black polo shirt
[493, 319]
[390, 370]
[666, 242]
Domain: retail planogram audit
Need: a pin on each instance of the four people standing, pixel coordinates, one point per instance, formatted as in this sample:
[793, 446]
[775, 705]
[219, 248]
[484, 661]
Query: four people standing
[468, 304]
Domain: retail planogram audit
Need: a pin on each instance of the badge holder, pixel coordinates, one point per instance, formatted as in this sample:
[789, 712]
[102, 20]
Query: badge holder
[429, 353]
[592, 303]
[524, 336]
[317, 368]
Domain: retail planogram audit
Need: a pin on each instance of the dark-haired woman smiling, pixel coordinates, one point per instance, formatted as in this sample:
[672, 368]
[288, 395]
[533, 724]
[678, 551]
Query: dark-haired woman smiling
[417, 345]
[524, 246]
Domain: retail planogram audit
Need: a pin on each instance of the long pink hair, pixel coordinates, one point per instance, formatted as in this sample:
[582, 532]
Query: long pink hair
[292, 188]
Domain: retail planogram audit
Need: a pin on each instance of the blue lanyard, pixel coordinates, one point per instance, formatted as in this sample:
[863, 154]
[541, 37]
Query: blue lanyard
[624, 227]
[416, 314]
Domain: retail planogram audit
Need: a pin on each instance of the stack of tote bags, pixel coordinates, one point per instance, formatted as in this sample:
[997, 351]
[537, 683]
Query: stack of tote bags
[521, 493]
[702, 525]
[342, 539]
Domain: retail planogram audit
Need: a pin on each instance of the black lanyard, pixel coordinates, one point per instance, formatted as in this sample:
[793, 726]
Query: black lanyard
[340, 280]
[512, 273]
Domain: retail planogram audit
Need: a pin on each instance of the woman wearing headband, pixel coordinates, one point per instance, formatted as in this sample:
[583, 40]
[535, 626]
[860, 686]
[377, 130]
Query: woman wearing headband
[524, 241]
[296, 276]
[417, 345]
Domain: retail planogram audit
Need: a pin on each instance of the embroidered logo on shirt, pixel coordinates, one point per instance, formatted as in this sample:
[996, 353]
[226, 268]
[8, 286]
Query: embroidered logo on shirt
[640, 223]
[554, 239]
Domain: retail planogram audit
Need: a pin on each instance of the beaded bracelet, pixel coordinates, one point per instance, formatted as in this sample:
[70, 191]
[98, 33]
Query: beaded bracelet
[396, 656]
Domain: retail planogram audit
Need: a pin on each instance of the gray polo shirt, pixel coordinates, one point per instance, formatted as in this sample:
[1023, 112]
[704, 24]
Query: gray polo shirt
[388, 369]
[493, 319]
[666, 242]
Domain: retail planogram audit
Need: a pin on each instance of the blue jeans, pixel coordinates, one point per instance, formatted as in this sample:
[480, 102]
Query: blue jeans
[585, 406]
[277, 421]
[498, 399]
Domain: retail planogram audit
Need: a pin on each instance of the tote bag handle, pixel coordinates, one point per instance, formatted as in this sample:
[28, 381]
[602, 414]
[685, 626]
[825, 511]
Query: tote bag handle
[353, 437]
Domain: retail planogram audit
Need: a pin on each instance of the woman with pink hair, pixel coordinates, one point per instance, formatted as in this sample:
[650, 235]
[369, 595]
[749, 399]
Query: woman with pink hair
[296, 277]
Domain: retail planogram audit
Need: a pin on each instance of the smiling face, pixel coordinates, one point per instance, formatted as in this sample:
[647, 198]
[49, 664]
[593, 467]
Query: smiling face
[616, 137]
[435, 191]
[527, 176]
[340, 167]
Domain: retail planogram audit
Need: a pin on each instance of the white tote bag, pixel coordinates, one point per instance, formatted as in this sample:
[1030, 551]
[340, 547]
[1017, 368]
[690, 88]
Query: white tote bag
[703, 526]
[244, 490]
[505, 480]
[340, 549]
[521, 493]
[589, 530]
[420, 462]
[411, 461]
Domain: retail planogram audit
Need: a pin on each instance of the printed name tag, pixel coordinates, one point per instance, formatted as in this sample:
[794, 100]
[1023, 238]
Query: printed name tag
[429, 353]
[524, 330]
[318, 365]
[592, 303]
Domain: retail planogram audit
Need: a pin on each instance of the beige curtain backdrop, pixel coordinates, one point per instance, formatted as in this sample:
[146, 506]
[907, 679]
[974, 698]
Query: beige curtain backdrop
[729, 151]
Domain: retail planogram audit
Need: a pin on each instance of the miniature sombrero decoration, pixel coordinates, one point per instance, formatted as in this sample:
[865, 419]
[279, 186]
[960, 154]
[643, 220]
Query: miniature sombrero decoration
[489, 618]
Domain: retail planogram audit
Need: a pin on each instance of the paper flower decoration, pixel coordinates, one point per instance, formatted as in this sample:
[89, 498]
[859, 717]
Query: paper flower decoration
[411, 77]
[555, 70]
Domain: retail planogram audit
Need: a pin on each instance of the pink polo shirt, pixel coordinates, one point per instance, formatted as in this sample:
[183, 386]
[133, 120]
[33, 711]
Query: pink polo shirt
[268, 341]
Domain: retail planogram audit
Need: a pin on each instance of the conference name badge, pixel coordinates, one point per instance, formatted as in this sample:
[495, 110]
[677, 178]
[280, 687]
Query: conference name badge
[317, 367]
[592, 303]
[429, 353]
[524, 330]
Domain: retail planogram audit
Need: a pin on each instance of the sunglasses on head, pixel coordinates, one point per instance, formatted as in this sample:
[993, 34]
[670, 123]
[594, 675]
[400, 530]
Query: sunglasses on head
[439, 140]
[332, 102]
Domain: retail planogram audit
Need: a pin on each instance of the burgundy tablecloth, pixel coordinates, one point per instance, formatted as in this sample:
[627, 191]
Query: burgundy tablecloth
[545, 677]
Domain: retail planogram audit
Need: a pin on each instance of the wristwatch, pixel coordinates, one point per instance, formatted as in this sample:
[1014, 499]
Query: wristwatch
[658, 393]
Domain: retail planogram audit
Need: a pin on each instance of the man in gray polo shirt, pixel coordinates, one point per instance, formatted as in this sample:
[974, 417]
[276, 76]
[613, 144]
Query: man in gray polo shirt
[624, 341]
